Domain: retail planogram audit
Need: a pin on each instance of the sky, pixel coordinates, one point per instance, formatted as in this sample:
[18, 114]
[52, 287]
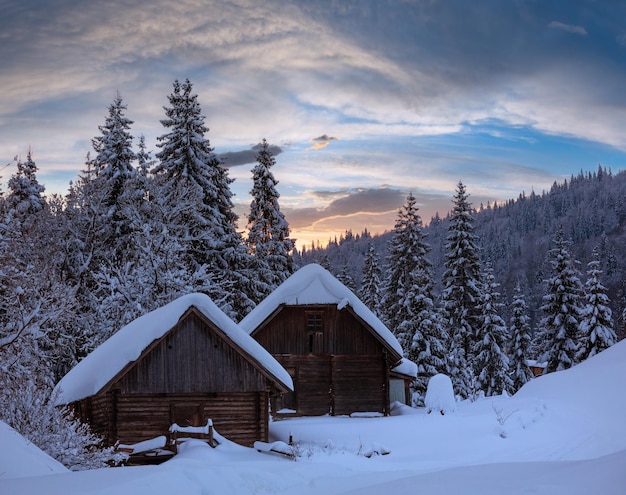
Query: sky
[364, 101]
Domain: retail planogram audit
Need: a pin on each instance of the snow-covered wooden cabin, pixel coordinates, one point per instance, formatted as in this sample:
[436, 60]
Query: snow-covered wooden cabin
[183, 363]
[341, 357]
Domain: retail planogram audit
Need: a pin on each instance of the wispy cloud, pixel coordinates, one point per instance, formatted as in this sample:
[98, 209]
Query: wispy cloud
[407, 87]
[568, 28]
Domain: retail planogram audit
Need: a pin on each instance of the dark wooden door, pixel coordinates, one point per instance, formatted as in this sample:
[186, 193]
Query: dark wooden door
[186, 414]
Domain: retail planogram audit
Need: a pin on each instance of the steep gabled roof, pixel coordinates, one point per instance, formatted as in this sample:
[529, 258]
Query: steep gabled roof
[312, 284]
[98, 368]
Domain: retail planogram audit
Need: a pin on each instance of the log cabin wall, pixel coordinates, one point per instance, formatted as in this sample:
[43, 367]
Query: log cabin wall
[189, 376]
[99, 412]
[337, 365]
[240, 417]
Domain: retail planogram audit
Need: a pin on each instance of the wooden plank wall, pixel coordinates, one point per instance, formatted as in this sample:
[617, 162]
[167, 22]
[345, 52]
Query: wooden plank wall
[337, 384]
[359, 384]
[192, 358]
[242, 418]
[342, 333]
[347, 372]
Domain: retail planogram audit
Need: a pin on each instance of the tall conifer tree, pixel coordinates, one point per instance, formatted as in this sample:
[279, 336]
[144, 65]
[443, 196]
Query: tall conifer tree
[462, 293]
[370, 290]
[268, 234]
[558, 332]
[492, 363]
[407, 253]
[422, 334]
[194, 186]
[521, 340]
[596, 326]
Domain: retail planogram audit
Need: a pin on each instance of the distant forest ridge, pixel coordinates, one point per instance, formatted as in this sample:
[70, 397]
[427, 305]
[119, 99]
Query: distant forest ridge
[515, 237]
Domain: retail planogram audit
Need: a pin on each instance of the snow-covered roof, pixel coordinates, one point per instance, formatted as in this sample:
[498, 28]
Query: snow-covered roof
[96, 370]
[313, 284]
[406, 367]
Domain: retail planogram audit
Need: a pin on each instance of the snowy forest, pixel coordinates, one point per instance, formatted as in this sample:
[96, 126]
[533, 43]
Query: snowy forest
[474, 294]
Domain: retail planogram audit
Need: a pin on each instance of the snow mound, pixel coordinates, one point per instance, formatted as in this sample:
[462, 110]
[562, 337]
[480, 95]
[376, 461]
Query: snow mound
[20, 458]
[593, 387]
[439, 395]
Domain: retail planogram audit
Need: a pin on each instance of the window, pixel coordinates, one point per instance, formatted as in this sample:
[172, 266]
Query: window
[314, 327]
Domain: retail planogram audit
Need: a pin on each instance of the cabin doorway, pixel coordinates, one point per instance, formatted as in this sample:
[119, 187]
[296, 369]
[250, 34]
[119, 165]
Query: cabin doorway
[186, 414]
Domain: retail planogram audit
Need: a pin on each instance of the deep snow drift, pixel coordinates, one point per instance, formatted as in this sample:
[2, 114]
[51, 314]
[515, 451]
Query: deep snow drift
[561, 434]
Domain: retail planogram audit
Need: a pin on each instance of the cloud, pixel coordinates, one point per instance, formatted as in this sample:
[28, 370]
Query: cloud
[322, 141]
[375, 209]
[244, 157]
[568, 28]
[404, 84]
[345, 203]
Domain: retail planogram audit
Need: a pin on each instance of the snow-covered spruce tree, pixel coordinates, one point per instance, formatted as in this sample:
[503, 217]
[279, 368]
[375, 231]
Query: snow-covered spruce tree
[407, 253]
[25, 197]
[557, 336]
[345, 278]
[84, 230]
[158, 270]
[195, 187]
[521, 340]
[491, 361]
[370, 290]
[596, 325]
[36, 304]
[426, 339]
[36, 321]
[113, 167]
[99, 227]
[268, 234]
[461, 297]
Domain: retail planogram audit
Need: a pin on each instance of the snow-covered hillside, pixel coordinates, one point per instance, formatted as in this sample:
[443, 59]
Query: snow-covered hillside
[560, 434]
[19, 457]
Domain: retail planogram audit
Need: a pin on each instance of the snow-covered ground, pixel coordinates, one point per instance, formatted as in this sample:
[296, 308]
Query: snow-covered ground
[561, 434]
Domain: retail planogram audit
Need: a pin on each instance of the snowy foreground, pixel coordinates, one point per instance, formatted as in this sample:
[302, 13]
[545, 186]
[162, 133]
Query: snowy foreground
[561, 434]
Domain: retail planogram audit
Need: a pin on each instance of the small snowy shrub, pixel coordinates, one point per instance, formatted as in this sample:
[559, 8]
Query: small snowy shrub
[30, 410]
[501, 417]
[439, 395]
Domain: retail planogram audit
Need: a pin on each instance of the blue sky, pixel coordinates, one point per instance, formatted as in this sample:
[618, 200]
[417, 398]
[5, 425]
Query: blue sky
[365, 100]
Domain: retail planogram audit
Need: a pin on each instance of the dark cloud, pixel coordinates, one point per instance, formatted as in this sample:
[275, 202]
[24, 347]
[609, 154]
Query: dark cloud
[244, 157]
[322, 141]
[325, 137]
[373, 209]
[347, 202]
[469, 44]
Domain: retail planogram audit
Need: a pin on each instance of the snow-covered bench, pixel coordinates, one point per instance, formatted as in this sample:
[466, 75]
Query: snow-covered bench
[277, 447]
[152, 451]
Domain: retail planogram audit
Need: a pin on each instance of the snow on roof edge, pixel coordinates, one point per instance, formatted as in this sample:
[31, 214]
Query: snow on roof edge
[406, 367]
[97, 369]
[313, 284]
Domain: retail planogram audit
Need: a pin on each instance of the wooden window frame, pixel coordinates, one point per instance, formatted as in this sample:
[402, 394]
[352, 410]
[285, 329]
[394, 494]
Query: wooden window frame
[314, 328]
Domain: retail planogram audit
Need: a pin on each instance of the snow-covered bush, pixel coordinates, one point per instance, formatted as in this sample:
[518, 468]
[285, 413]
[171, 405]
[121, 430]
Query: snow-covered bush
[30, 410]
[439, 395]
